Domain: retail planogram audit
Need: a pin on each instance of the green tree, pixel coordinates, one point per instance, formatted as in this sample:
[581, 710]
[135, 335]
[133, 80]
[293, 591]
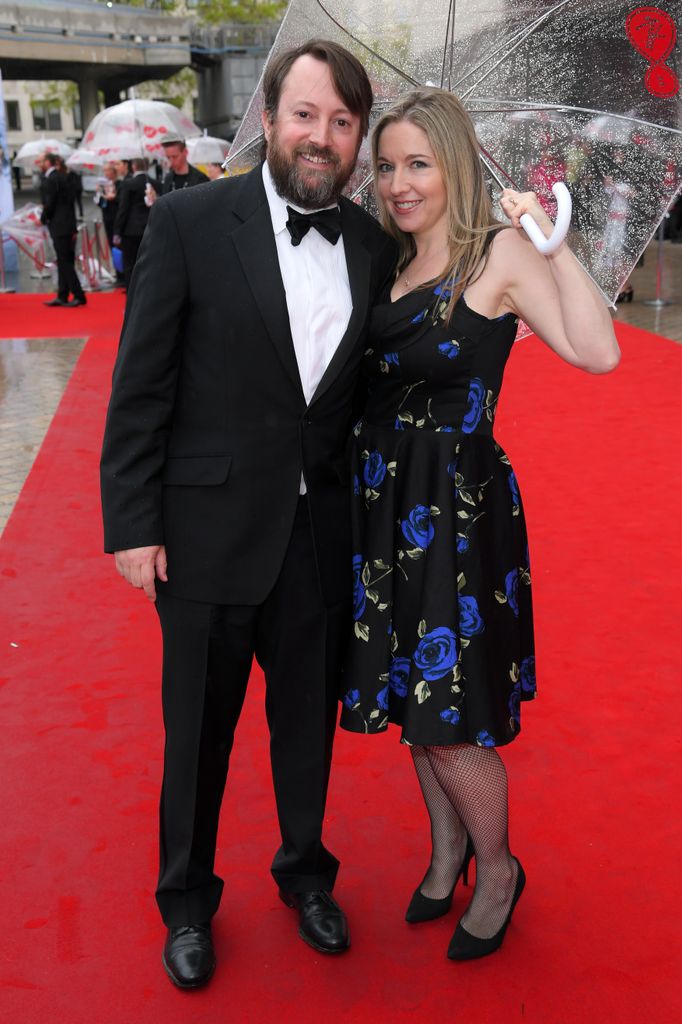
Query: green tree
[216, 12]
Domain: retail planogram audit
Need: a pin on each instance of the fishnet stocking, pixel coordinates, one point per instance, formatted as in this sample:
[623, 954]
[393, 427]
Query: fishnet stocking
[448, 835]
[475, 781]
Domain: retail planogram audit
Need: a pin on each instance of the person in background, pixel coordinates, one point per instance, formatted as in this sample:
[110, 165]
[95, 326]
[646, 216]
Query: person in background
[215, 171]
[60, 218]
[181, 174]
[16, 171]
[132, 216]
[106, 197]
[75, 185]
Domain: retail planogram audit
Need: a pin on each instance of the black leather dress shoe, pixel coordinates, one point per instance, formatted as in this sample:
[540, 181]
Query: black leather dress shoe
[55, 302]
[188, 955]
[321, 922]
[77, 302]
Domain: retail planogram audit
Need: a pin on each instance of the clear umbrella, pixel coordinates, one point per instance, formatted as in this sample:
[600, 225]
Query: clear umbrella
[31, 153]
[536, 77]
[206, 149]
[85, 160]
[136, 128]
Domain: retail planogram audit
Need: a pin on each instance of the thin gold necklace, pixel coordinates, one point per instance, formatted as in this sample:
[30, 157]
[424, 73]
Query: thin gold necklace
[407, 284]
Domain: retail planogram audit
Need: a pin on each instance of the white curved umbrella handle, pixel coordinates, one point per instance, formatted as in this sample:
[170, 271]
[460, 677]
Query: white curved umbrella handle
[561, 226]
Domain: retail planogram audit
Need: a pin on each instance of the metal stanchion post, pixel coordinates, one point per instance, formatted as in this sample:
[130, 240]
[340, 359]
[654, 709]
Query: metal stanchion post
[4, 290]
[659, 301]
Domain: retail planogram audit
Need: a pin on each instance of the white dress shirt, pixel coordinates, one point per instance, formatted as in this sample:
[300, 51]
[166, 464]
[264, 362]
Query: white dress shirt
[316, 283]
[317, 290]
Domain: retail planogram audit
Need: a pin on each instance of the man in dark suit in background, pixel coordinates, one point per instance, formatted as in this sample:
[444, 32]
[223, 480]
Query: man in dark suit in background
[224, 479]
[181, 173]
[60, 217]
[132, 215]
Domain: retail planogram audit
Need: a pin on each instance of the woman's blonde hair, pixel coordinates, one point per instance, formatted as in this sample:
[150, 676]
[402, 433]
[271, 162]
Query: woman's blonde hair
[452, 138]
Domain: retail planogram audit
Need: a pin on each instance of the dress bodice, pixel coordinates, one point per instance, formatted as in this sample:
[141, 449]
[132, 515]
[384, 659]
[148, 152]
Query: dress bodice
[428, 374]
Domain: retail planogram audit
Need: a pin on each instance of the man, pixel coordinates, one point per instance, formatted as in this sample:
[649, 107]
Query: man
[224, 481]
[181, 173]
[60, 217]
[132, 216]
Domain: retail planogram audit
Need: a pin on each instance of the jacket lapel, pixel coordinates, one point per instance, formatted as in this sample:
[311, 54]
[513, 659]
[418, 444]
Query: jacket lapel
[359, 265]
[254, 241]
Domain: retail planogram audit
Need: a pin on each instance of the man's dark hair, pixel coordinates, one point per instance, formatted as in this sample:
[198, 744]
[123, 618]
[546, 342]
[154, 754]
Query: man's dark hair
[140, 164]
[347, 73]
[52, 159]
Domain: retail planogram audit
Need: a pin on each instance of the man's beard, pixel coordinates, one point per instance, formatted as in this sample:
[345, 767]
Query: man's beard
[309, 190]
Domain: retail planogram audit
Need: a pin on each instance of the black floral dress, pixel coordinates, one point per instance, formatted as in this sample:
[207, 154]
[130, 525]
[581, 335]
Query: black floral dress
[442, 643]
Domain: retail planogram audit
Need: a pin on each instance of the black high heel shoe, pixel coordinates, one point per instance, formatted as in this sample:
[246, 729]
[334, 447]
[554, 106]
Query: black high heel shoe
[464, 946]
[423, 908]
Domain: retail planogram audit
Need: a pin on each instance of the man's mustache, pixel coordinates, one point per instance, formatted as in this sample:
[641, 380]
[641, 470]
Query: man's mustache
[324, 154]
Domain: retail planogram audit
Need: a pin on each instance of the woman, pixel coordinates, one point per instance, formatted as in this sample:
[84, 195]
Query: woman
[443, 639]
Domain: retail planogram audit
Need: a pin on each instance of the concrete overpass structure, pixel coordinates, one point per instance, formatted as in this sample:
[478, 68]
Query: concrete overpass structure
[99, 47]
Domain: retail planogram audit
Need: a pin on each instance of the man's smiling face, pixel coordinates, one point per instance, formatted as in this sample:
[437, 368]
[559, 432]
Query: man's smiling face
[313, 139]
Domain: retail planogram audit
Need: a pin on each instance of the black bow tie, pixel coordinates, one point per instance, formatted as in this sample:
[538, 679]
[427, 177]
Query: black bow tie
[327, 222]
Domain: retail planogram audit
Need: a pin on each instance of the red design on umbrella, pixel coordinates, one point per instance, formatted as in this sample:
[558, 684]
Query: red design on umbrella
[652, 32]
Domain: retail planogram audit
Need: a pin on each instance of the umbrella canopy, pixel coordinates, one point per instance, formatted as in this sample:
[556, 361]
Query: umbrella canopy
[534, 76]
[136, 128]
[25, 228]
[85, 160]
[207, 150]
[31, 153]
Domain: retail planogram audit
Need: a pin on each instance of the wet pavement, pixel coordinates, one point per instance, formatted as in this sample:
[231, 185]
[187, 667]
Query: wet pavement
[33, 375]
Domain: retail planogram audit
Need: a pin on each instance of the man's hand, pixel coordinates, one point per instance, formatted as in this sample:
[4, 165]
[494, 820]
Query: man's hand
[140, 567]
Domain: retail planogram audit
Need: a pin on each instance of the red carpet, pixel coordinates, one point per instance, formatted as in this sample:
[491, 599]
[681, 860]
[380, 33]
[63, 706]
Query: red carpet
[25, 316]
[594, 779]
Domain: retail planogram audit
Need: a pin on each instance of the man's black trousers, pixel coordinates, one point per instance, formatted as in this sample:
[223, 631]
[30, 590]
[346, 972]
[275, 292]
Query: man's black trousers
[208, 650]
[67, 278]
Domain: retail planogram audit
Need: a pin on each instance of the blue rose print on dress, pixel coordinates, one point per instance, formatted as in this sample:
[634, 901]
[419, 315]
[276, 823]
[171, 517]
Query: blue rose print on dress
[474, 411]
[470, 621]
[484, 739]
[450, 715]
[356, 485]
[436, 653]
[398, 676]
[462, 543]
[511, 590]
[418, 528]
[528, 674]
[359, 598]
[449, 349]
[398, 425]
[513, 487]
[391, 357]
[352, 698]
[375, 470]
[382, 698]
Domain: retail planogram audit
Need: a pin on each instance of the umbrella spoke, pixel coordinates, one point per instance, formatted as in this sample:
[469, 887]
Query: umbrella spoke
[513, 43]
[387, 63]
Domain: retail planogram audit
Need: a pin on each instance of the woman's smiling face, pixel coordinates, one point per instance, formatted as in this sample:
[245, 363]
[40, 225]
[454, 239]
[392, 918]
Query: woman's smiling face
[409, 181]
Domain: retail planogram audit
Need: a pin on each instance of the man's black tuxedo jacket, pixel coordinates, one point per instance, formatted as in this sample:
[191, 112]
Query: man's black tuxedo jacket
[208, 429]
[59, 213]
[133, 212]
